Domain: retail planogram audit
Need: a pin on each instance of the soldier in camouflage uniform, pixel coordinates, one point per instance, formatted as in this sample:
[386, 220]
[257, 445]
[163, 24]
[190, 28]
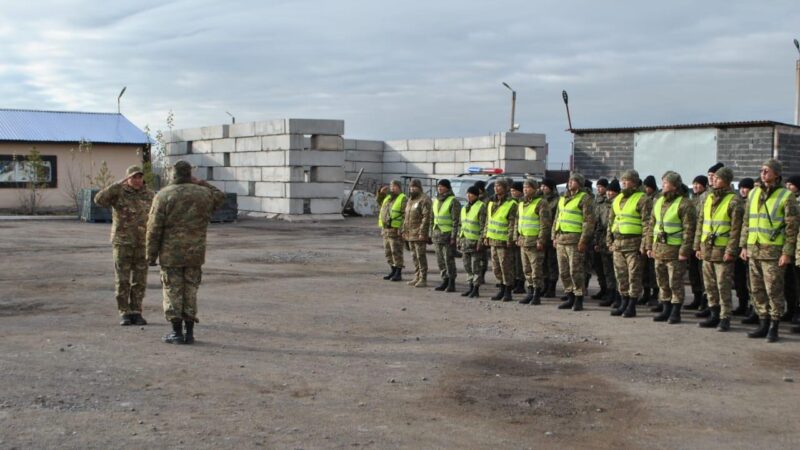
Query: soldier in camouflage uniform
[699, 192]
[129, 200]
[473, 221]
[769, 234]
[629, 217]
[519, 273]
[533, 233]
[501, 218]
[416, 226]
[444, 230]
[176, 237]
[550, 195]
[649, 283]
[717, 244]
[668, 242]
[741, 281]
[600, 199]
[606, 257]
[704, 310]
[390, 219]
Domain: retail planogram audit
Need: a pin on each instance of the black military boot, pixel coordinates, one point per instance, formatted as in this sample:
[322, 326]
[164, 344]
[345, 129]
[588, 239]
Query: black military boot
[537, 296]
[126, 320]
[713, 318]
[698, 299]
[704, 310]
[550, 288]
[176, 337]
[772, 333]
[654, 298]
[789, 314]
[762, 329]
[659, 307]
[600, 294]
[398, 275]
[795, 329]
[740, 310]
[500, 293]
[475, 292]
[752, 317]
[189, 337]
[519, 287]
[569, 302]
[724, 325]
[468, 291]
[645, 299]
[623, 305]
[666, 310]
[611, 297]
[578, 306]
[137, 319]
[796, 318]
[630, 311]
[391, 274]
[528, 298]
[675, 315]
[443, 285]
[507, 294]
[451, 285]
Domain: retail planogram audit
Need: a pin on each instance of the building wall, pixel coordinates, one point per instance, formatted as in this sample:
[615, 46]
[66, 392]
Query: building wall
[69, 160]
[597, 155]
[744, 149]
[789, 149]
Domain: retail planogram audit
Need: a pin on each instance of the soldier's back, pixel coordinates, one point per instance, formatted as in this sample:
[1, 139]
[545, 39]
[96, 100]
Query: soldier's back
[187, 210]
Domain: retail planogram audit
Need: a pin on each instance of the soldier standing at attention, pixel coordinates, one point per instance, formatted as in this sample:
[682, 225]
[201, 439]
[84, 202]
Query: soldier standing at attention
[791, 283]
[533, 233]
[699, 192]
[444, 229]
[572, 230]
[176, 236]
[519, 275]
[741, 282]
[129, 200]
[613, 298]
[704, 311]
[499, 236]
[390, 220]
[649, 284]
[473, 221]
[669, 243]
[769, 235]
[600, 203]
[416, 226]
[550, 196]
[717, 244]
[630, 213]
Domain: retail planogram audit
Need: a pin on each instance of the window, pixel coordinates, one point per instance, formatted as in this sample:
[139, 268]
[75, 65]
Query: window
[17, 172]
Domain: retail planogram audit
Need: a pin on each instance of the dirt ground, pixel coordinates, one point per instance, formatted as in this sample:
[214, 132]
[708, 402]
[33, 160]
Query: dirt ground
[302, 345]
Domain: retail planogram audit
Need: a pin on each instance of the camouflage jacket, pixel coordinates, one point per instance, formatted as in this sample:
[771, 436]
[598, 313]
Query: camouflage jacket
[545, 222]
[585, 236]
[710, 252]
[602, 207]
[512, 221]
[178, 221]
[621, 243]
[686, 212]
[129, 209]
[386, 215]
[552, 203]
[417, 222]
[455, 213]
[757, 251]
[467, 245]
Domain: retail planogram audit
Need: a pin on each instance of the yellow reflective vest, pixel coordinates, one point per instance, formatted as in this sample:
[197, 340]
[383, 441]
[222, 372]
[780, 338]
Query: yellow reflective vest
[470, 223]
[497, 221]
[719, 223]
[767, 222]
[441, 215]
[529, 224]
[670, 223]
[570, 214]
[627, 220]
[397, 211]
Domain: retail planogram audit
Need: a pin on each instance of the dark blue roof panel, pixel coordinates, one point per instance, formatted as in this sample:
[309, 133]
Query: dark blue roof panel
[61, 126]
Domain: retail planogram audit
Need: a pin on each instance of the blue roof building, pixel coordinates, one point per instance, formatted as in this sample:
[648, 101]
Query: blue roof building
[19, 125]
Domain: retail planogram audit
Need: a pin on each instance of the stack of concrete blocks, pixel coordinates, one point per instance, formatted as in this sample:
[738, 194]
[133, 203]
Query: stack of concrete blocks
[284, 167]
[515, 153]
[367, 155]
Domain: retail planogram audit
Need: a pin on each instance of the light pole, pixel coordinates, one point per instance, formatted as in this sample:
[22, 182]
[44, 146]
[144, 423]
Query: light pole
[797, 87]
[514, 126]
[119, 97]
[233, 119]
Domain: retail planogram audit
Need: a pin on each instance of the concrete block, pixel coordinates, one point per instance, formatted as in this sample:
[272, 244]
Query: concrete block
[177, 148]
[363, 155]
[315, 126]
[416, 156]
[247, 173]
[327, 174]
[237, 187]
[523, 139]
[223, 145]
[188, 134]
[448, 144]
[248, 203]
[245, 129]
[507, 152]
[269, 127]
[367, 166]
[460, 156]
[521, 167]
[282, 174]
[420, 144]
[272, 158]
[282, 205]
[217, 184]
[282, 142]
[224, 174]
[394, 167]
[396, 145]
[376, 146]
[448, 168]
[325, 142]
[326, 206]
[480, 142]
[350, 144]
[169, 137]
[208, 160]
[201, 147]
[214, 132]
[270, 189]
[441, 156]
[314, 190]
[483, 155]
[416, 168]
[391, 155]
[535, 153]
[248, 144]
[314, 158]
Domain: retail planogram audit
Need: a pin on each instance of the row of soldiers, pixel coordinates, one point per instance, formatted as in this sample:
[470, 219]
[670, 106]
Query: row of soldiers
[627, 227]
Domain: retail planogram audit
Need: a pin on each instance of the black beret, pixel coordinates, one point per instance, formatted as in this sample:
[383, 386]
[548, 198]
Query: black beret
[650, 181]
[602, 182]
[701, 179]
[480, 184]
[549, 183]
[445, 182]
[517, 186]
[614, 186]
[473, 190]
[794, 179]
[747, 183]
[715, 167]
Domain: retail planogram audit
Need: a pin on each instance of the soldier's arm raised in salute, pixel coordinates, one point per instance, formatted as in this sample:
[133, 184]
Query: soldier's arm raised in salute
[218, 197]
[108, 196]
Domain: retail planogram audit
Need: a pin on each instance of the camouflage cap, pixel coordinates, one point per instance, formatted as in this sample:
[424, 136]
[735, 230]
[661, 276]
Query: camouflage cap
[415, 182]
[132, 170]
[182, 169]
[773, 164]
[532, 183]
[578, 177]
[501, 182]
[725, 174]
[674, 178]
[397, 182]
[631, 175]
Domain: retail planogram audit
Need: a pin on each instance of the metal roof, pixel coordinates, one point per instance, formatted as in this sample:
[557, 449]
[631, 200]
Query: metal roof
[62, 126]
[752, 123]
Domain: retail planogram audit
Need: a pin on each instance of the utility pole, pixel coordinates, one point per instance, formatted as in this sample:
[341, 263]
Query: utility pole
[797, 87]
[514, 126]
[119, 97]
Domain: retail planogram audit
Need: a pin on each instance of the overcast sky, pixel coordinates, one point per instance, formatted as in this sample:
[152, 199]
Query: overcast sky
[405, 69]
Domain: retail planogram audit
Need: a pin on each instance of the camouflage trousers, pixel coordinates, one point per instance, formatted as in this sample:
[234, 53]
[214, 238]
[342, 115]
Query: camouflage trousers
[550, 262]
[572, 267]
[718, 281]
[475, 266]
[445, 259]
[533, 266]
[766, 284]
[393, 249]
[180, 285]
[604, 263]
[420, 258]
[669, 277]
[628, 270]
[503, 264]
[130, 277]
